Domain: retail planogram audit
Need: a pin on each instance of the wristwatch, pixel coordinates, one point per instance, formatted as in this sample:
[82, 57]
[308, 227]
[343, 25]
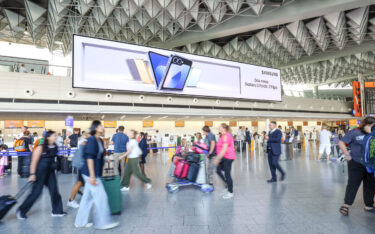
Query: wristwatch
[32, 173]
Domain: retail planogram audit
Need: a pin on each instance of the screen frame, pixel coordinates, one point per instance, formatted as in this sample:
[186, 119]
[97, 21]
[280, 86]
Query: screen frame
[166, 73]
[152, 67]
[173, 93]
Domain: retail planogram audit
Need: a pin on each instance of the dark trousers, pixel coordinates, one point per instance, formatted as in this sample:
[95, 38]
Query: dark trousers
[20, 163]
[45, 175]
[358, 173]
[273, 161]
[226, 166]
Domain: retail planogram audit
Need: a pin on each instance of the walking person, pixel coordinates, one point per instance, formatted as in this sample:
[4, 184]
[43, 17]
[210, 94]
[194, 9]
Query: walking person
[120, 139]
[224, 159]
[80, 182]
[143, 146]
[133, 153]
[159, 140]
[210, 141]
[357, 172]
[42, 173]
[274, 151]
[325, 143]
[94, 193]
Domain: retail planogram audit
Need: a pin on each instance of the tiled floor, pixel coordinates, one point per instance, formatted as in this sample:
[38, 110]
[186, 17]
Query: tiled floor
[307, 202]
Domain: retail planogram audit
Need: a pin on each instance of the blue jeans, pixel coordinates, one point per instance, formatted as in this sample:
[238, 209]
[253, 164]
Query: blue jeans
[94, 195]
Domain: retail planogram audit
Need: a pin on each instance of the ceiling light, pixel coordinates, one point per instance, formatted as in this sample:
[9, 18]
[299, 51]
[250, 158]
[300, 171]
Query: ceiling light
[147, 117]
[59, 42]
[103, 116]
[123, 117]
[186, 117]
[164, 117]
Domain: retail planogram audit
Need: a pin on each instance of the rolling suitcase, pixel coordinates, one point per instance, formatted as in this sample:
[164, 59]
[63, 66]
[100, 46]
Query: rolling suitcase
[25, 168]
[8, 201]
[66, 165]
[112, 186]
[193, 172]
[181, 170]
[202, 175]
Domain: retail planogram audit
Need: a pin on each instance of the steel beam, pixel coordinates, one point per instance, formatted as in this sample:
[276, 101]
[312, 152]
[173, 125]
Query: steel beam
[355, 49]
[294, 11]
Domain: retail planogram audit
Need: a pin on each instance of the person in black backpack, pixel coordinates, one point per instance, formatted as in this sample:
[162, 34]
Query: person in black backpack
[22, 159]
[42, 172]
[143, 146]
[357, 172]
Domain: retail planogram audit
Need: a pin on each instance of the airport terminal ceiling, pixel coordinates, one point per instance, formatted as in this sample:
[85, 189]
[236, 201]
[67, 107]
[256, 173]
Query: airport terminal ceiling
[312, 42]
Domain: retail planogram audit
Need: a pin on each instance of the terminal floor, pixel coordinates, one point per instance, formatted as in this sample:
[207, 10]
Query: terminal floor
[306, 202]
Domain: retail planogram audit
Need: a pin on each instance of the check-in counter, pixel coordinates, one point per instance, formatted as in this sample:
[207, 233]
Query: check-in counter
[287, 152]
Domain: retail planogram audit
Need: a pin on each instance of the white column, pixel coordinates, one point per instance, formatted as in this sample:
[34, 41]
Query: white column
[362, 86]
[267, 127]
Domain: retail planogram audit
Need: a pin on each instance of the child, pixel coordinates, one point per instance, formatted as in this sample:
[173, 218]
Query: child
[3, 160]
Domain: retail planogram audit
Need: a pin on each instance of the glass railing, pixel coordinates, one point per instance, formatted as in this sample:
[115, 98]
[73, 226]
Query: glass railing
[35, 68]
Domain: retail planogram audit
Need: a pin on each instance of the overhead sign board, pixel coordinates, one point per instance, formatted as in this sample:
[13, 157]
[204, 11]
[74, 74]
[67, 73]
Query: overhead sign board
[111, 65]
[36, 123]
[13, 123]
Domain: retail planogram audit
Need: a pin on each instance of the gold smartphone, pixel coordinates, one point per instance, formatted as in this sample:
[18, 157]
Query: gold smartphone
[144, 71]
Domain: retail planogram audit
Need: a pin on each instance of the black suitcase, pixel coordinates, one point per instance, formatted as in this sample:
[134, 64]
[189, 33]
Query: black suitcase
[193, 158]
[9, 166]
[66, 165]
[8, 201]
[154, 145]
[193, 172]
[25, 168]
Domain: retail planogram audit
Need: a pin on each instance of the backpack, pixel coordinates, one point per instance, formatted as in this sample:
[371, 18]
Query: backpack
[78, 160]
[20, 145]
[38, 142]
[369, 152]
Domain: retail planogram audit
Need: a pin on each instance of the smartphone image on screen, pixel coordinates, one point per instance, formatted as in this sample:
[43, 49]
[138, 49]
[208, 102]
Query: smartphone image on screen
[193, 78]
[158, 66]
[178, 70]
[143, 71]
[133, 69]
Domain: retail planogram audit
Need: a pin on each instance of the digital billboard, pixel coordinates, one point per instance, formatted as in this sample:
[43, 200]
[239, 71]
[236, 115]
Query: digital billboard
[111, 65]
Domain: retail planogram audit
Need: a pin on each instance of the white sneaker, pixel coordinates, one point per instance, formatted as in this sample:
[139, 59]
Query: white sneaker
[225, 191]
[112, 225]
[85, 226]
[59, 215]
[148, 186]
[125, 189]
[228, 195]
[73, 204]
[19, 216]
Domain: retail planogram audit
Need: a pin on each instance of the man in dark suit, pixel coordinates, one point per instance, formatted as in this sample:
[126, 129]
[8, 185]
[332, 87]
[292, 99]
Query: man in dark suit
[274, 151]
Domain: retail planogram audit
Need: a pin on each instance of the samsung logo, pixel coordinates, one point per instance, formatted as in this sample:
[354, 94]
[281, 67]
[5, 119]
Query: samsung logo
[270, 73]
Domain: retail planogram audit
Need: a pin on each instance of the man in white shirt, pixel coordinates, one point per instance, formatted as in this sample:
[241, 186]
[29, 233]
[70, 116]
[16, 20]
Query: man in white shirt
[159, 140]
[22, 69]
[325, 143]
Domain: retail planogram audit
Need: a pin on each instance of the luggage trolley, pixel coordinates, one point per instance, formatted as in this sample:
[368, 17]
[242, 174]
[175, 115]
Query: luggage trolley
[196, 179]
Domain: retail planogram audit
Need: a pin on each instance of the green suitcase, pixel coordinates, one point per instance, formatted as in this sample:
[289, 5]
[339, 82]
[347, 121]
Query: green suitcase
[112, 186]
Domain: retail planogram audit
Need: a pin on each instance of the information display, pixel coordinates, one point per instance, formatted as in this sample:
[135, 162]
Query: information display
[111, 65]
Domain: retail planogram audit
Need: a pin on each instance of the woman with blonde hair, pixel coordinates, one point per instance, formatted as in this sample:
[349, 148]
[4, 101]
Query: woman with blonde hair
[225, 157]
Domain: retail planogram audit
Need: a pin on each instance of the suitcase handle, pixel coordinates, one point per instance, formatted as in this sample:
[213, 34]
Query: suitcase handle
[23, 190]
[108, 178]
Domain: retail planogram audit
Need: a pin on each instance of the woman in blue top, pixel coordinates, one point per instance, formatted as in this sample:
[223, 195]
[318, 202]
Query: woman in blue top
[94, 193]
[143, 146]
[357, 172]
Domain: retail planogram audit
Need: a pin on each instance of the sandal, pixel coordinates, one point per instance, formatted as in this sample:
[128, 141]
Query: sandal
[344, 210]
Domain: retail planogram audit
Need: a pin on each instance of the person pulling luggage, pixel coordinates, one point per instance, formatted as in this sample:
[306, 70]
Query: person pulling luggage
[94, 193]
[42, 172]
[133, 154]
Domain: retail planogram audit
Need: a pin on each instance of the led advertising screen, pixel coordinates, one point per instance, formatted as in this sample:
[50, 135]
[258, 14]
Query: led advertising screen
[111, 65]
